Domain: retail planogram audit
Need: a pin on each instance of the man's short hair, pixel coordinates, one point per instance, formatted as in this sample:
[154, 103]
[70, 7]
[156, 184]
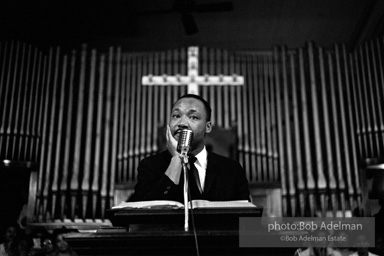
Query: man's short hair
[207, 107]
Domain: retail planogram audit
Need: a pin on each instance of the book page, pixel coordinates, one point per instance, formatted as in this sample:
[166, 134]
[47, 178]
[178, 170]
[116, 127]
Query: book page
[159, 204]
[221, 204]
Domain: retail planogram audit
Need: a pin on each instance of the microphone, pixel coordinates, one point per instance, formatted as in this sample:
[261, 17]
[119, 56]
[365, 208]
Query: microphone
[183, 147]
[184, 143]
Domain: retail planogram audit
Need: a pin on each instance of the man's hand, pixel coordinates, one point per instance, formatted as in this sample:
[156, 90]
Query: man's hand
[174, 169]
[171, 142]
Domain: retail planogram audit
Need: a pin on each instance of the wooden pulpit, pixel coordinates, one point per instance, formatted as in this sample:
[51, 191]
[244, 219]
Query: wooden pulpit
[160, 232]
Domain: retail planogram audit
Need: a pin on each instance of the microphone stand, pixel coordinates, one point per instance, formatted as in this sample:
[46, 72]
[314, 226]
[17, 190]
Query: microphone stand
[184, 161]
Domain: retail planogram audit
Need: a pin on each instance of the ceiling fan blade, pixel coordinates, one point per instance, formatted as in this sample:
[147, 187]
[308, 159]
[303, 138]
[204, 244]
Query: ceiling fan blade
[189, 24]
[214, 7]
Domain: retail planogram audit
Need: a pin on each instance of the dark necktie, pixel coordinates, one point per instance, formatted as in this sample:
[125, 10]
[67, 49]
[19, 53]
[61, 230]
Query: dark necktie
[194, 173]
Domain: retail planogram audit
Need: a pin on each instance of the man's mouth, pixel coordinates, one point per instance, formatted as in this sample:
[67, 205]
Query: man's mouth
[177, 132]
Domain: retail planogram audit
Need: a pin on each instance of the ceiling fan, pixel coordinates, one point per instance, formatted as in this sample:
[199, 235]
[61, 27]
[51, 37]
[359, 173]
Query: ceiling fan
[186, 8]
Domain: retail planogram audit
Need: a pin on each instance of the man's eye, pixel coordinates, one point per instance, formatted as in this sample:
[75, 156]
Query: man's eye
[175, 116]
[193, 117]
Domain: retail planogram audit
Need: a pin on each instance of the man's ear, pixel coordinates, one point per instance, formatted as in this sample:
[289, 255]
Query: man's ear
[208, 127]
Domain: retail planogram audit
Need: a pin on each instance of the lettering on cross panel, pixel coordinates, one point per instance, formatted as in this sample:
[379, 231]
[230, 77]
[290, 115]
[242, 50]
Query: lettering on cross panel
[192, 79]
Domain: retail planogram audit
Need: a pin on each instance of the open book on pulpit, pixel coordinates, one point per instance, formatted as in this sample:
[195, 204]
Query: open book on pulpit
[196, 204]
[159, 212]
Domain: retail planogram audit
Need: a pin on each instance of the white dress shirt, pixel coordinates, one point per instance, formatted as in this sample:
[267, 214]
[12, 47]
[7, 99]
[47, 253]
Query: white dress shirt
[201, 165]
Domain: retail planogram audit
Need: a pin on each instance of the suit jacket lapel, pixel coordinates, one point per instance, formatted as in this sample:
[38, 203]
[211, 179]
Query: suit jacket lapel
[213, 168]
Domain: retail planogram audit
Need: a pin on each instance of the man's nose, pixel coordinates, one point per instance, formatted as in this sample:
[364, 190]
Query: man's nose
[183, 122]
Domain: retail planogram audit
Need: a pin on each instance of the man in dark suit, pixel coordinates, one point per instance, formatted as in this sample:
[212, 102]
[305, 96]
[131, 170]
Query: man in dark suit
[211, 176]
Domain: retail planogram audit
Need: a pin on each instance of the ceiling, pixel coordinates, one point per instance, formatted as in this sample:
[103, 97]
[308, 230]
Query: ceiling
[252, 25]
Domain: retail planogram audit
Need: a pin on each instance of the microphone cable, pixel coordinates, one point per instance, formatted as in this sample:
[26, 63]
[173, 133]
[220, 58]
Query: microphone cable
[193, 223]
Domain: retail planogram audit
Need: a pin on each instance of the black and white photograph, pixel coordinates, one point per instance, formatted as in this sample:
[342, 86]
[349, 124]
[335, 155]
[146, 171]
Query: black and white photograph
[191, 127]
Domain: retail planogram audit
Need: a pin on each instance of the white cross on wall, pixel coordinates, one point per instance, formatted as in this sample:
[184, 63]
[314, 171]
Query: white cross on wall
[193, 80]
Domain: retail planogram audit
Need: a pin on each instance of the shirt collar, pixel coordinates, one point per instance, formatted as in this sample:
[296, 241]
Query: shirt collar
[202, 158]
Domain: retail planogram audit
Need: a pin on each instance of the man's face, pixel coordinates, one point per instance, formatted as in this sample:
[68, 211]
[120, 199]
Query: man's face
[189, 113]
